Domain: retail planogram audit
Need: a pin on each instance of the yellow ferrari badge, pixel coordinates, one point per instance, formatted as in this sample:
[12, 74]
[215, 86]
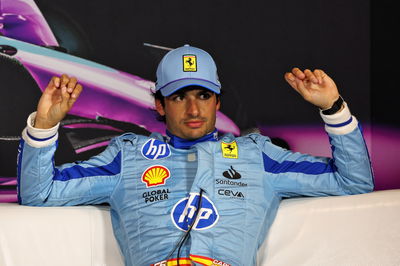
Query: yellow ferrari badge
[189, 63]
[229, 150]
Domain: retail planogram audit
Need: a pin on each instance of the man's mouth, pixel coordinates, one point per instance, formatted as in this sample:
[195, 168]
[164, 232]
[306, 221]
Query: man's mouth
[194, 123]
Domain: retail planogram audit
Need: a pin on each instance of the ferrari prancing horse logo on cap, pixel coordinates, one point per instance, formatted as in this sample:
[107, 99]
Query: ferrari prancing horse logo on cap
[189, 63]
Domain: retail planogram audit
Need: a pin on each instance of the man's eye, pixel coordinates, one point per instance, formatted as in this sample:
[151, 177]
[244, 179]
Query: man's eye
[205, 95]
[178, 98]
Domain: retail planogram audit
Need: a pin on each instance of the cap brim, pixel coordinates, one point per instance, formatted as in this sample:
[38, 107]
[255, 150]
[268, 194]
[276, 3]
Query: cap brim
[182, 83]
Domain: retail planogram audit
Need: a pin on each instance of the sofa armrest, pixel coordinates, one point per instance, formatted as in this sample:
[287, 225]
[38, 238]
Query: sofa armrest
[346, 230]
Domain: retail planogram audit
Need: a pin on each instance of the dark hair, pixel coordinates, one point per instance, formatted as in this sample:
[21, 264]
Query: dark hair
[158, 96]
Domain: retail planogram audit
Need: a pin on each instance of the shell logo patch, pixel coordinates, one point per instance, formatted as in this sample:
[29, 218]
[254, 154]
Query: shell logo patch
[155, 175]
[230, 150]
[189, 63]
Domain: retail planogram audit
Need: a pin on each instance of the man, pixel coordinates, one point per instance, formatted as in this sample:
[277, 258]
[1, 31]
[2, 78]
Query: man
[191, 197]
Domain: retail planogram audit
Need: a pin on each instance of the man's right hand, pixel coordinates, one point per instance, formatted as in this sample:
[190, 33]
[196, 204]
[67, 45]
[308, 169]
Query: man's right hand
[56, 101]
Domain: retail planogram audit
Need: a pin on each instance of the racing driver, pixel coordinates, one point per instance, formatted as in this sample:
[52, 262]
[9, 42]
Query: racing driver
[191, 197]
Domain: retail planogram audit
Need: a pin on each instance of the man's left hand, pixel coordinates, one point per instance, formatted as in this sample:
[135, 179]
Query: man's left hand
[315, 86]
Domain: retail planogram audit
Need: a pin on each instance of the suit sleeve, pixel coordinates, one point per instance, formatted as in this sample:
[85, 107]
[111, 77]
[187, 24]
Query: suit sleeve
[41, 183]
[348, 172]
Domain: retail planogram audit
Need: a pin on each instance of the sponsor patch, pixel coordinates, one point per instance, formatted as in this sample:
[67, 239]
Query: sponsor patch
[185, 211]
[233, 194]
[173, 262]
[155, 195]
[155, 149]
[208, 261]
[229, 183]
[229, 150]
[232, 174]
[155, 175]
[189, 63]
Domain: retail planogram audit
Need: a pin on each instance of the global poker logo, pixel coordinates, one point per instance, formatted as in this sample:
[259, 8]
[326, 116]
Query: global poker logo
[155, 149]
[185, 210]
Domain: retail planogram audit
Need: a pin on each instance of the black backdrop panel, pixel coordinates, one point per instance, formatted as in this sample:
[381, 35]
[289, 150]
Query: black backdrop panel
[253, 42]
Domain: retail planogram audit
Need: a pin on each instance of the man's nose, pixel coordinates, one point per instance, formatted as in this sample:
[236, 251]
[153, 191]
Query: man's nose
[192, 108]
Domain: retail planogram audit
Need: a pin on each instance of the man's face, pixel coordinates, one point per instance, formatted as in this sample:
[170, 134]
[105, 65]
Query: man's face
[190, 113]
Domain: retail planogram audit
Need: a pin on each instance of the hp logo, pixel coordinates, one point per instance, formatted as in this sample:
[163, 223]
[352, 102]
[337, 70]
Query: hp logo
[155, 149]
[184, 212]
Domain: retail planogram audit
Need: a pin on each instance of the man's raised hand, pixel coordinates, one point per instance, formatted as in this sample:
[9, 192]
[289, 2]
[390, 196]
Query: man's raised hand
[56, 101]
[315, 86]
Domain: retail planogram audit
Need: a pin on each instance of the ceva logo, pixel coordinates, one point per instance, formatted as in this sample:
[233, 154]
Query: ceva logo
[155, 149]
[184, 213]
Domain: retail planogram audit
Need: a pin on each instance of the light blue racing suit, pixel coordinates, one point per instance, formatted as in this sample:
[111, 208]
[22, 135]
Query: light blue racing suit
[210, 204]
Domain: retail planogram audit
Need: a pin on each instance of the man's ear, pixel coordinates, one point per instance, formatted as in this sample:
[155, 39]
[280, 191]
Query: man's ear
[218, 103]
[159, 107]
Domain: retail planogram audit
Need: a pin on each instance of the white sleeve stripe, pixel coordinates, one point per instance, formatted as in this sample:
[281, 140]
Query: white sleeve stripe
[343, 129]
[38, 144]
[342, 124]
[37, 137]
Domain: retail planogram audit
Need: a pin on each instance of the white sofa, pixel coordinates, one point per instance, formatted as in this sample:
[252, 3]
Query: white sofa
[348, 230]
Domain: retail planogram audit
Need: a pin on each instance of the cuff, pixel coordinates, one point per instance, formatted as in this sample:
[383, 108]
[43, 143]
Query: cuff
[341, 122]
[37, 137]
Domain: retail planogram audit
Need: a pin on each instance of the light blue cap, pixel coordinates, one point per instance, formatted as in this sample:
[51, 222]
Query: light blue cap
[187, 66]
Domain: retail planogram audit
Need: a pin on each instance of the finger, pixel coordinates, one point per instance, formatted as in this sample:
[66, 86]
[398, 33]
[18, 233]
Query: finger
[53, 84]
[71, 84]
[56, 81]
[320, 74]
[291, 79]
[298, 73]
[75, 94]
[65, 96]
[310, 76]
[301, 88]
[64, 80]
[296, 85]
